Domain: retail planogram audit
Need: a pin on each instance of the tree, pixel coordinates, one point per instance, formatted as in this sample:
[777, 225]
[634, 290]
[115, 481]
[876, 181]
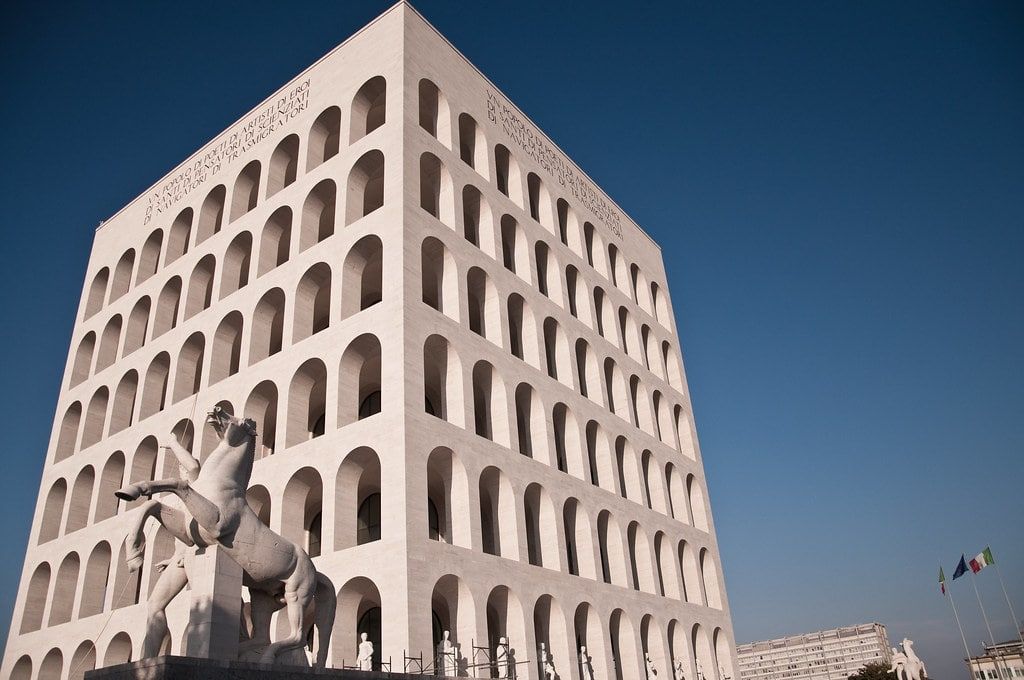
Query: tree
[874, 670]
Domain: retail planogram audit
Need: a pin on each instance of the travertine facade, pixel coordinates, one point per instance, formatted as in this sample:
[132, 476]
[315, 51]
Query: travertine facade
[833, 654]
[462, 358]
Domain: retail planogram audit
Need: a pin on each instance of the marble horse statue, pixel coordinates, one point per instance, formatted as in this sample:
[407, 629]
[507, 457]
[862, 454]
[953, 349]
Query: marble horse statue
[913, 667]
[277, 572]
[899, 663]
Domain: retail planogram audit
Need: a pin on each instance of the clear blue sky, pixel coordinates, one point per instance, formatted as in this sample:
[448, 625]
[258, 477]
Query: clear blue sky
[838, 189]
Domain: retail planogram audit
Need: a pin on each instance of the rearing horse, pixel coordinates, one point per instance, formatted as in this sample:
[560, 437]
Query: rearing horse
[276, 570]
[914, 668]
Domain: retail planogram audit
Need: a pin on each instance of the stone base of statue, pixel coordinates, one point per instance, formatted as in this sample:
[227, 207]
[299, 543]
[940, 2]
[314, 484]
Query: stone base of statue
[188, 668]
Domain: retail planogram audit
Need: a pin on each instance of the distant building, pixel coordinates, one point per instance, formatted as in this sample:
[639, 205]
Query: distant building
[1002, 660]
[832, 654]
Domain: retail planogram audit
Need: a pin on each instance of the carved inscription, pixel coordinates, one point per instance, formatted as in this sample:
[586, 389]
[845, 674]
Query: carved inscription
[537, 148]
[228, 148]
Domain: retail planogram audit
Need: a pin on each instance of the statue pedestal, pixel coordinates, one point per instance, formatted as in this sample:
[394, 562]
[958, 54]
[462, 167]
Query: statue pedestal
[182, 668]
[215, 607]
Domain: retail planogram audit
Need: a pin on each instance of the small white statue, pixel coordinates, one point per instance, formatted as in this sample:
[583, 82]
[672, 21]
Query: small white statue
[586, 666]
[913, 667]
[446, 656]
[700, 671]
[547, 667]
[679, 672]
[652, 672]
[722, 675]
[365, 653]
[502, 657]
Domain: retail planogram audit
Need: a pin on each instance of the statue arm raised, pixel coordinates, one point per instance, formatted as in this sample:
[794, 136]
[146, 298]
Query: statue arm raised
[189, 465]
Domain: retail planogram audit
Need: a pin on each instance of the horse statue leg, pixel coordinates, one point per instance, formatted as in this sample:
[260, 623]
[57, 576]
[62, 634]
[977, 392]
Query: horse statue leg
[206, 514]
[299, 589]
[325, 600]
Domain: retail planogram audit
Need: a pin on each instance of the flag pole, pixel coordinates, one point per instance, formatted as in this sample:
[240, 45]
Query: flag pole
[1016, 623]
[956, 616]
[974, 582]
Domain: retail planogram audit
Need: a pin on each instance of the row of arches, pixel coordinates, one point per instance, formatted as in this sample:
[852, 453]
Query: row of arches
[209, 281]
[441, 280]
[134, 399]
[360, 284]
[190, 228]
[528, 525]
[528, 192]
[492, 403]
[84, 658]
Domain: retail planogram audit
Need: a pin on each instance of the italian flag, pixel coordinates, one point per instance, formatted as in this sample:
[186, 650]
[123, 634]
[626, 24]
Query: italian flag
[942, 581]
[982, 560]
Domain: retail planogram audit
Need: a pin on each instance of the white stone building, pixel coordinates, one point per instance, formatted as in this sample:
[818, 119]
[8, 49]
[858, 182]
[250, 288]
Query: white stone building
[463, 363]
[833, 654]
[1001, 661]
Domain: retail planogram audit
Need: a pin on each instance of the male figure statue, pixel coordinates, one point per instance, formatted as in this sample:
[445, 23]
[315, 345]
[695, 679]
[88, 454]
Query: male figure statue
[365, 653]
[547, 668]
[501, 658]
[652, 672]
[446, 656]
[678, 670]
[585, 664]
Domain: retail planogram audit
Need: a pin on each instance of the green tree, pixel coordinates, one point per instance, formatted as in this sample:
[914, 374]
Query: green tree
[874, 670]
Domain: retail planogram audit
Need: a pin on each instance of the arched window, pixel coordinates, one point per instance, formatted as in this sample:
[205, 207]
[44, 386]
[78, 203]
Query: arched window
[318, 212]
[97, 293]
[123, 412]
[365, 186]
[618, 396]
[122, 275]
[442, 381]
[35, 599]
[312, 302]
[178, 236]
[568, 446]
[200, 287]
[227, 348]
[53, 511]
[237, 260]
[514, 254]
[556, 352]
[138, 324]
[447, 499]
[154, 389]
[506, 174]
[307, 402]
[324, 137]
[588, 371]
[539, 201]
[247, 190]
[490, 407]
[189, 375]
[82, 365]
[530, 426]
[63, 600]
[95, 418]
[359, 380]
[267, 326]
[109, 340]
[362, 284]
[497, 514]
[284, 165]
[261, 406]
[275, 242]
[439, 277]
[167, 303]
[301, 510]
[211, 215]
[368, 108]
[149, 259]
[357, 500]
[541, 528]
[436, 189]
[94, 585]
[483, 305]
[434, 115]
[472, 145]
[522, 327]
[477, 221]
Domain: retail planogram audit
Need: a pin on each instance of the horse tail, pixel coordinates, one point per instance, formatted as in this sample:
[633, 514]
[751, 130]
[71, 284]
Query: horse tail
[326, 604]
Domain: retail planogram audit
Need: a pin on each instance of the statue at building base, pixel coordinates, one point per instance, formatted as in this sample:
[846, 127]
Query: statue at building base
[278, 573]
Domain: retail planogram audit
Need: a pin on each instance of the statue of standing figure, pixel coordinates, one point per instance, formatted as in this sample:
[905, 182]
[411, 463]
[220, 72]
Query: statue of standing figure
[652, 672]
[501, 657]
[586, 664]
[365, 659]
[547, 666]
[446, 661]
[678, 670]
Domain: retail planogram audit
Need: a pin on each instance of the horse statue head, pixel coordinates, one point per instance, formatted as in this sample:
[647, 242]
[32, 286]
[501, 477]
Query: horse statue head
[235, 431]
[235, 454]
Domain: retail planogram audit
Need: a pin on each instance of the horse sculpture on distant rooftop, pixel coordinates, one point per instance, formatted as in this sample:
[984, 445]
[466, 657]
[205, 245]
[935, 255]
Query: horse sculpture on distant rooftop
[277, 572]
